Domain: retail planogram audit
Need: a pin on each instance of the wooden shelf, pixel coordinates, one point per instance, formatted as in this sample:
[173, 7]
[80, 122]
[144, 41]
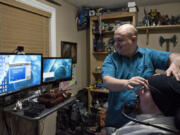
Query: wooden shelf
[99, 90]
[97, 73]
[101, 53]
[156, 29]
[161, 27]
[104, 32]
[114, 16]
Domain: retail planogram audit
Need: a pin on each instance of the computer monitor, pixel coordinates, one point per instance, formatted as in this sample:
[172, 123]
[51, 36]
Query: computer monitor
[56, 69]
[18, 72]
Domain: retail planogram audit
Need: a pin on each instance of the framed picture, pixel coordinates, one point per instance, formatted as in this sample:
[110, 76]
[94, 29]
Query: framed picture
[69, 49]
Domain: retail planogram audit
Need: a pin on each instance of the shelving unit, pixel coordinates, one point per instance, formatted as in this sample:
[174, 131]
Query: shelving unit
[104, 91]
[97, 58]
[157, 28]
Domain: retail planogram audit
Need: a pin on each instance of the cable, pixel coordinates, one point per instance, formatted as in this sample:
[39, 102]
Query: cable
[146, 123]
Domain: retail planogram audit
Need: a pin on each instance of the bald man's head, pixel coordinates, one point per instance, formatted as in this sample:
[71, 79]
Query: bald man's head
[126, 30]
[125, 40]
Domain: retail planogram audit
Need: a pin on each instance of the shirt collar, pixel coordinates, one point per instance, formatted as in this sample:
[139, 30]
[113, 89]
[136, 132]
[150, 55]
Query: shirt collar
[139, 51]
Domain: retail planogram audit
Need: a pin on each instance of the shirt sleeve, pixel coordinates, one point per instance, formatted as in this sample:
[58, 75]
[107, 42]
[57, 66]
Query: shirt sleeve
[160, 59]
[108, 68]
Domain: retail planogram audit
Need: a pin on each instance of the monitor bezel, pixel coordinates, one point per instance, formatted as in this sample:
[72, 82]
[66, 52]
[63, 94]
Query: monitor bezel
[58, 80]
[23, 89]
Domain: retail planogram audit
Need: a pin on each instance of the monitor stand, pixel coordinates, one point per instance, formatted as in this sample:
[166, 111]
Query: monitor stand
[52, 86]
[43, 88]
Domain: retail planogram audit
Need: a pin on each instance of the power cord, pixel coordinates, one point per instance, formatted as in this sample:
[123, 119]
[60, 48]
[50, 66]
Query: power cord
[146, 123]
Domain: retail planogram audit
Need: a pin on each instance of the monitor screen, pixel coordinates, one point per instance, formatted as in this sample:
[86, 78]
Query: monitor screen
[57, 69]
[18, 72]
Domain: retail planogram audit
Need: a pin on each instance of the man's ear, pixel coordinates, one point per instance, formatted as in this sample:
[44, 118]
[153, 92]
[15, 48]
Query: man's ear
[134, 38]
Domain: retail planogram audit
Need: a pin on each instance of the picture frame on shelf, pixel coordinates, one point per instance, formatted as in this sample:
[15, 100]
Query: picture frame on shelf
[69, 49]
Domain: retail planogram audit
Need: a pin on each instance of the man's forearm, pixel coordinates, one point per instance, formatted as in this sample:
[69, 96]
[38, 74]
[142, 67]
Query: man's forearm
[114, 84]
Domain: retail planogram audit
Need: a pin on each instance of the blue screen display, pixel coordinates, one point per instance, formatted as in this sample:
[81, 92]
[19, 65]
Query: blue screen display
[57, 69]
[18, 72]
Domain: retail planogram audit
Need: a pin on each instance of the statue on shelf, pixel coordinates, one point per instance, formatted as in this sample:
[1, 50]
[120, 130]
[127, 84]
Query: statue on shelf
[155, 16]
[151, 18]
[110, 47]
[164, 20]
[147, 19]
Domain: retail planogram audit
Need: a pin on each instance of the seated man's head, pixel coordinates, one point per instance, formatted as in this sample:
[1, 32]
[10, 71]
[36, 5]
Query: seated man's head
[163, 96]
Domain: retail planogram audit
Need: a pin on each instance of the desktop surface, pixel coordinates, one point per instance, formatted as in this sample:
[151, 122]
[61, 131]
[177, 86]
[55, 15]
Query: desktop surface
[44, 113]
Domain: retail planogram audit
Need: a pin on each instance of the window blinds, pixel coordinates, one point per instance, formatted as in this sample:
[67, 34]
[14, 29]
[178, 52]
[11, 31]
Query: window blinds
[22, 25]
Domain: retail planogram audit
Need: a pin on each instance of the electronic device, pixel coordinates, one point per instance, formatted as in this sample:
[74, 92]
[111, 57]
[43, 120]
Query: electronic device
[19, 72]
[34, 110]
[56, 69]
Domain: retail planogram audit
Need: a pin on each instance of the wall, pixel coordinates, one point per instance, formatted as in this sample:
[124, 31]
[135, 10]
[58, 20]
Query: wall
[66, 30]
[169, 9]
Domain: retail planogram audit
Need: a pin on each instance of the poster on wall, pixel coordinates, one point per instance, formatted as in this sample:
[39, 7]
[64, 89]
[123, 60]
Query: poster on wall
[67, 84]
[69, 49]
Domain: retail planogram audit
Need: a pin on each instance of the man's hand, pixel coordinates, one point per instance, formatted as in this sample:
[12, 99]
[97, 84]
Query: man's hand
[174, 69]
[136, 81]
[174, 66]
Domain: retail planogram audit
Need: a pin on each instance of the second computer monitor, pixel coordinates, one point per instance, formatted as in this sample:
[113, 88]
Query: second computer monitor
[56, 69]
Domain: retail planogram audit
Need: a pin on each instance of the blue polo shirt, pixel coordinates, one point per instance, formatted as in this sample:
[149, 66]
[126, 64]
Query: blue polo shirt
[143, 63]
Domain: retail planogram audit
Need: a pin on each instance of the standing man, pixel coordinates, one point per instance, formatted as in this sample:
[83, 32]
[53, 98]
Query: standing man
[128, 68]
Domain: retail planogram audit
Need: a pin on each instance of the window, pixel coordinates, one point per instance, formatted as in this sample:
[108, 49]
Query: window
[23, 25]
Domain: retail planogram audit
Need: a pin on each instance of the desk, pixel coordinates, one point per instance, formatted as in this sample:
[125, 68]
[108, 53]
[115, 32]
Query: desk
[18, 120]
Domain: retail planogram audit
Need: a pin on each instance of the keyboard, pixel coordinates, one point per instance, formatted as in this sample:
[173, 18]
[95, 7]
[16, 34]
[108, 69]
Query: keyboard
[34, 110]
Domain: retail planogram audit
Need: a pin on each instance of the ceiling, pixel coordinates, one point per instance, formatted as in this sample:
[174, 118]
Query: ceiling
[115, 3]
